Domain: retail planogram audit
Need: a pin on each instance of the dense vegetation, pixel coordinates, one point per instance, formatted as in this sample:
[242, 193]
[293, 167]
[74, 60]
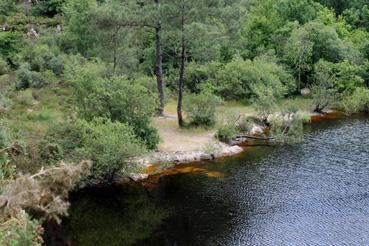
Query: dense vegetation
[82, 79]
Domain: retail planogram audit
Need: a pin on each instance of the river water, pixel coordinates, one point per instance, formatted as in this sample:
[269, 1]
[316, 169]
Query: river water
[313, 193]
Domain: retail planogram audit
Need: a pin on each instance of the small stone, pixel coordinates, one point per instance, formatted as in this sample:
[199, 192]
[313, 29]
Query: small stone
[235, 149]
[206, 157]
[306, 92]
[138, 176]
[256, 130]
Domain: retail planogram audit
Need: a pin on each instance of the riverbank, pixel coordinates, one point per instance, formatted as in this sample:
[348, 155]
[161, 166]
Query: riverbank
[199, 145]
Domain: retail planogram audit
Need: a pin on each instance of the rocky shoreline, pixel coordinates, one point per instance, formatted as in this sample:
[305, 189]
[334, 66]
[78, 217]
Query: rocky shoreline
[216, 151]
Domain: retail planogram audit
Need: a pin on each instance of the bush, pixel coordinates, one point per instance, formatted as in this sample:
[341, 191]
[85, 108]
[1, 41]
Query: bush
[4, 68]
[108, 144]
[245, 124]
[264, 101]
[226, 132]
[48, 7]
[9, 44]
[237, 79]
[41, 57]
[6, 139]
[20, 229]
[323, 90]
[357, 102]
[200, 108]
[116, 98]
[287, 127]
[27, 78]
[7, 7]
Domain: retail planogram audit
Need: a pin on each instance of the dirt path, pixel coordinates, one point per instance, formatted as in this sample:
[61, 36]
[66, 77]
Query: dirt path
[175, 139]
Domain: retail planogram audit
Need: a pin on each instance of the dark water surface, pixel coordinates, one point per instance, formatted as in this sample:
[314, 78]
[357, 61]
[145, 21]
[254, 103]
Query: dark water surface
[313, 193]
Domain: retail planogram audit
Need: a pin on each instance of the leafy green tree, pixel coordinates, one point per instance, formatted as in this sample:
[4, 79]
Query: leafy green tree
[48, 7]
[189, 33]
[237, 79]
[298, 53]
[10, 45]
[80, 28]
[323, 90]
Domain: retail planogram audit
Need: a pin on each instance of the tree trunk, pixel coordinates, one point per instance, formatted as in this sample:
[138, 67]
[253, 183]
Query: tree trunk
[180, 88]
[181, 76]
[159, 67]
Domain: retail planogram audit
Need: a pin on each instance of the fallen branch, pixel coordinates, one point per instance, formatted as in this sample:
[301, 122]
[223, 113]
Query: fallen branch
[254, 137]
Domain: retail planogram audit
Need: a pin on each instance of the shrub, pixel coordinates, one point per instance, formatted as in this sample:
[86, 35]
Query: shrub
[226, 132]
[245, 124]
[27, 78]
[264, 101]
[200, 108]
[287, 127]
[7, 137]
[116, 98]
[323, 91]
[20, 229]
[7, 7]
[41, 57]
[45, 192]
[9, 44]
[109, 145]
[237, 79]
[48, 7]
[4, 68]
[357, 102]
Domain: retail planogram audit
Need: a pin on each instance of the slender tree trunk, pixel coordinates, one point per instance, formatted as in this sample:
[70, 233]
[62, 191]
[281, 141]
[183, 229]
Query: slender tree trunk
[181, 76]
[159, 69]
[180, 88]
[159, 64]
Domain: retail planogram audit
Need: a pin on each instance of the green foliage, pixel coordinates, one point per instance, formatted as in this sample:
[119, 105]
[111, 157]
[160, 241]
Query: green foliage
[48, 7]
[4, 68]
[245, 124]
[357, 102]
[357, 16]
[226, 132]
[228, 129]
[109, 145]
[323, 91]
[20, 230]
[348, 76]
[27, 78]
[41, 57]
[9, 44]
[201, 108]
[7, 7]
[287, 127]
[116, 98]
[80, 17]
[238, 78]
[7, 137]
[265, 101]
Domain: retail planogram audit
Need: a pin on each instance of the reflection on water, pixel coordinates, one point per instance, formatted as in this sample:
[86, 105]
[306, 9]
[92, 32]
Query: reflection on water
[314, 193]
